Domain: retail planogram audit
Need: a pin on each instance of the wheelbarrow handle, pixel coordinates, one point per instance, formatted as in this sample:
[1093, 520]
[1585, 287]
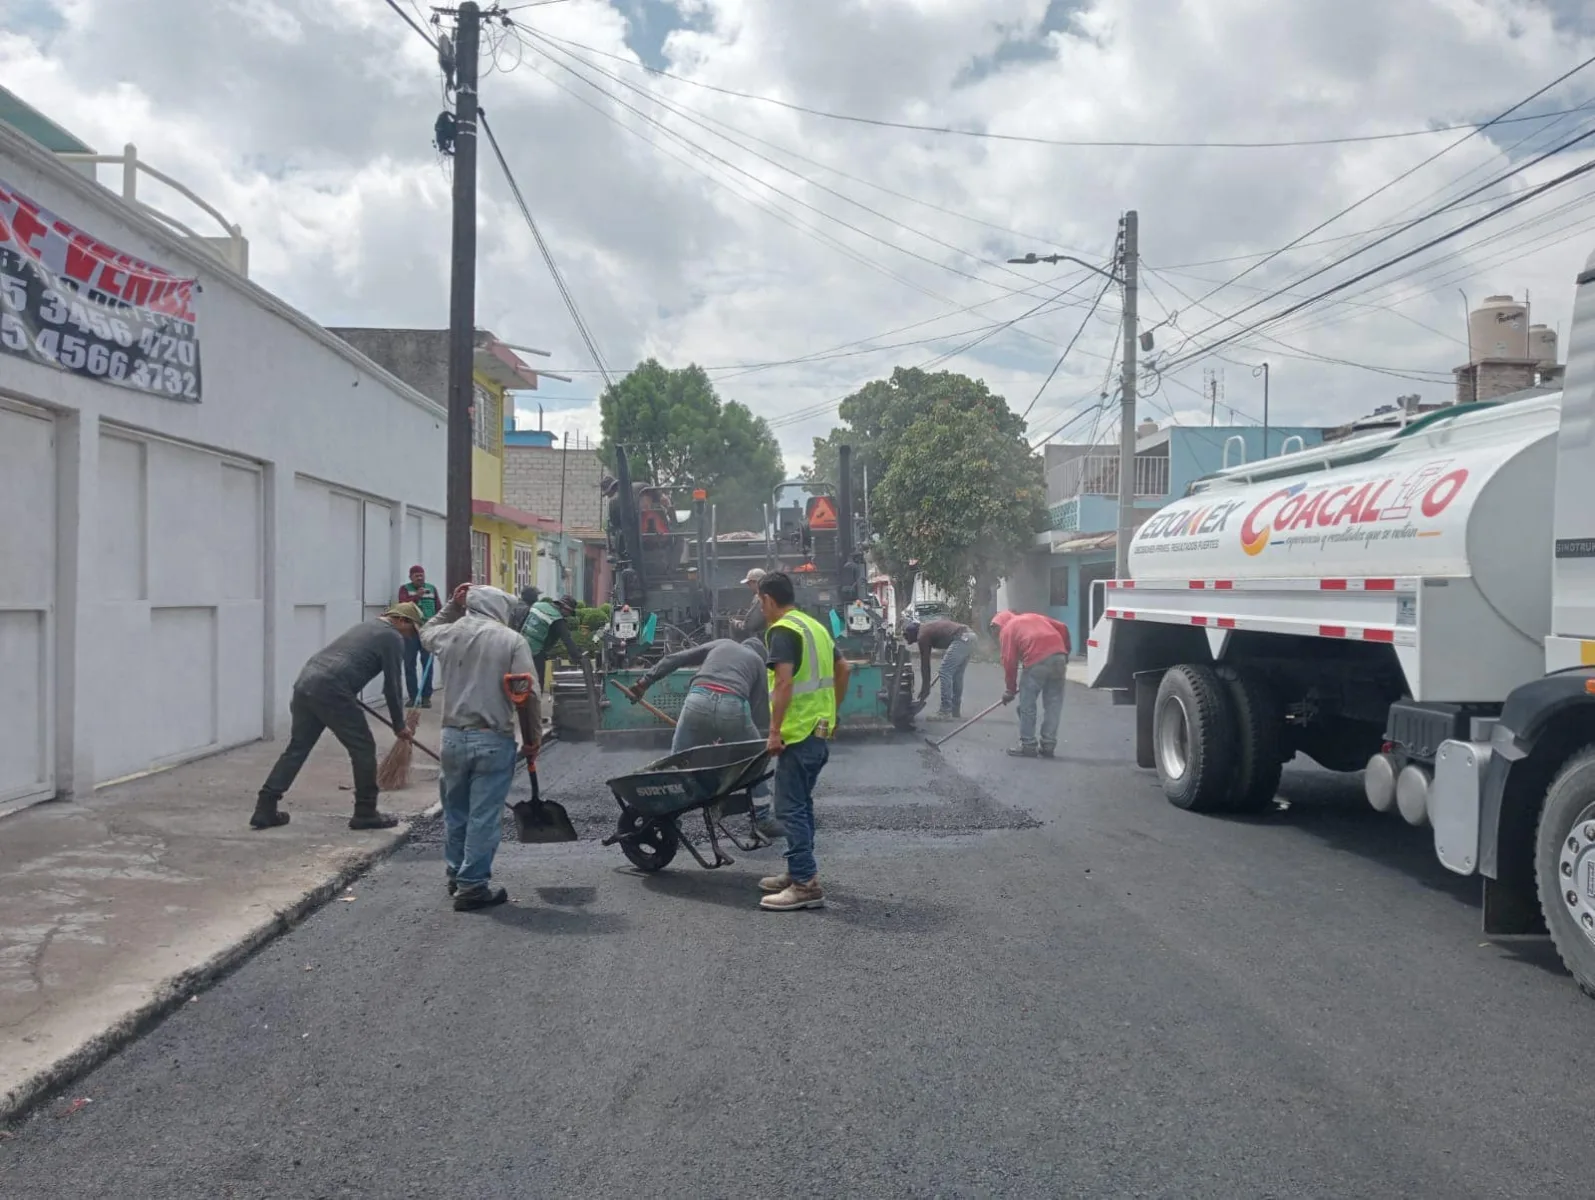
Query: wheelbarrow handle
[423, 748]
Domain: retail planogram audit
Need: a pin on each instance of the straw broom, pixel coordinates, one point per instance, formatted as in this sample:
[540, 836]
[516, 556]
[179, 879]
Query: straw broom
[393, 773]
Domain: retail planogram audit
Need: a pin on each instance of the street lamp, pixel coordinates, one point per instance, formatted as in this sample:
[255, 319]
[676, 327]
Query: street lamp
[1031, 259]
[1263, 371]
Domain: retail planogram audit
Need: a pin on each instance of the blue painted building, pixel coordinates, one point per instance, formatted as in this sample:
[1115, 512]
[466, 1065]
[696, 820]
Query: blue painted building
[1083, 500]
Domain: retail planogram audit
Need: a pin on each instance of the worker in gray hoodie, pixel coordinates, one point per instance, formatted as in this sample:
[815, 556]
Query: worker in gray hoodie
[476, 649]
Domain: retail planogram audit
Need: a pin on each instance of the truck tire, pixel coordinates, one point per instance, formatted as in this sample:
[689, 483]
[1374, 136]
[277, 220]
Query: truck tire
[1259, 741]
[1564, 866]
[1193, 738]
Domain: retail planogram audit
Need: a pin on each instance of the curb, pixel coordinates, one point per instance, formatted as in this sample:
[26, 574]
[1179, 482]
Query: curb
[171, 994]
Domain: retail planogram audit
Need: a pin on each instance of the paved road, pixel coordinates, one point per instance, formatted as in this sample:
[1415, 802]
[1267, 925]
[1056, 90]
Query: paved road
[1034, 980]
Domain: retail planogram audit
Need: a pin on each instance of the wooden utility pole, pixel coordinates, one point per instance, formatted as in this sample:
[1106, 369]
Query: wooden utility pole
[462, 297]
[1130, 250]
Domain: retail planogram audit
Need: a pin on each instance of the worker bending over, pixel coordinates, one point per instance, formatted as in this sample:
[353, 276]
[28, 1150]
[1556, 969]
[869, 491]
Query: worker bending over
[808, 678]
[728, 700]
[545, 622]
[1042, 646]
[957, 643]
[327, 696]
[479, 653]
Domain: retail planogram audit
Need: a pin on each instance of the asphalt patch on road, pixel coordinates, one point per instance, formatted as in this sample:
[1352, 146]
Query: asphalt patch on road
[900, 786]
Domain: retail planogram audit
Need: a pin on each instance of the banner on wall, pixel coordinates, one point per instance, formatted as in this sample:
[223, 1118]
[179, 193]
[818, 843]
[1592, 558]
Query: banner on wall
[69, 301]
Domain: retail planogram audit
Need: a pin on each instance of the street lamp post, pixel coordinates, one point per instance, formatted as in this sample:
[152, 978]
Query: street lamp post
[1263, 371]
[1128, 257]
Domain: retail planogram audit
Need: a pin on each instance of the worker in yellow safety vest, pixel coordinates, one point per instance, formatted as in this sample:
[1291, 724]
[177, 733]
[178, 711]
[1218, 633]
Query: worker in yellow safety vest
[808, 678]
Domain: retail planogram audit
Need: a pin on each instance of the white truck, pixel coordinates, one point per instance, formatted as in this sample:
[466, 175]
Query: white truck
[1418, 604]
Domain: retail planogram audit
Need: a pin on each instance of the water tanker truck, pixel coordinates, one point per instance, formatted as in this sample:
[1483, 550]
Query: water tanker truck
[1417, 604]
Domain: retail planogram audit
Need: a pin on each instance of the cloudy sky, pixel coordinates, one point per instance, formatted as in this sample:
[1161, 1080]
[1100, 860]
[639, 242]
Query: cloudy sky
[697, 222]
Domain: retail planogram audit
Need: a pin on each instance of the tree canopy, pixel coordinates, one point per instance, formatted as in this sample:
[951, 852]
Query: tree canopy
[954, 491]
[679, 433]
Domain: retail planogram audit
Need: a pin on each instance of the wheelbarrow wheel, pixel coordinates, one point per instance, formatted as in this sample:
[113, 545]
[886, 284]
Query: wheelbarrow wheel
[654, 845]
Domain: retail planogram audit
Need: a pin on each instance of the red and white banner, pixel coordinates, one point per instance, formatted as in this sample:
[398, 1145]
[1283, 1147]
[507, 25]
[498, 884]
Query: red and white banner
[67, 300]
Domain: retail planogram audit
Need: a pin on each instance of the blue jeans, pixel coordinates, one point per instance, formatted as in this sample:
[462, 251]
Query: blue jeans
[708, 717]
[478, 765]
[415, 657]
[1043, 682]
[796, 773]
[954, 662]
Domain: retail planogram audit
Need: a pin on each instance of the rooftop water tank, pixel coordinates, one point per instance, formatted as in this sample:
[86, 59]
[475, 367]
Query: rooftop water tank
[1542, 345]
[1499, 328]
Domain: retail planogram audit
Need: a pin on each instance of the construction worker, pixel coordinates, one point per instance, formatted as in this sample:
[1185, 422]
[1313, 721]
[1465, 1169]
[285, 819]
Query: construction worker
[808, 678]
[1042, 646]
[472, 639]
[548, 621]
[728, 700]
[956, 641]
[416, 660]
[327, 696]
[752, 625]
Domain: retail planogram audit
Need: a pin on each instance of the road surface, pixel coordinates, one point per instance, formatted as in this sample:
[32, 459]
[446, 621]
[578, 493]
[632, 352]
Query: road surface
[1034, 979]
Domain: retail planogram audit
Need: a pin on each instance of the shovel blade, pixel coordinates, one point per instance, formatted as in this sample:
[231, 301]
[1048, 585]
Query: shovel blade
[542, 821]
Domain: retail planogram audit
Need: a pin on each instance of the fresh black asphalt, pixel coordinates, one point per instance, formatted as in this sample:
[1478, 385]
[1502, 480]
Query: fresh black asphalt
[1034, 979]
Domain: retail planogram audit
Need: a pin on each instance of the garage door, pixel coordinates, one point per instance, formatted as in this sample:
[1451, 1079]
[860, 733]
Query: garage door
[27, 599]
[181, 578]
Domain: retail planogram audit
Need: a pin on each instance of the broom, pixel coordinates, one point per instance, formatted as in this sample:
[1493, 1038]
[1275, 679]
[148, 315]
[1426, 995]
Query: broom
[393, 773]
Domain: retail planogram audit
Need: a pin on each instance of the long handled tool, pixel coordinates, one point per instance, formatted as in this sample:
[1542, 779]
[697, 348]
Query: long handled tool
[536, 820]
[937, 742]
[424, 749]
[637, 699]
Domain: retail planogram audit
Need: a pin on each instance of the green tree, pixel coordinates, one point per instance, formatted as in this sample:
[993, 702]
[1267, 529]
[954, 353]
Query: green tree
[880, 420]
[678, 433]
[964, 496]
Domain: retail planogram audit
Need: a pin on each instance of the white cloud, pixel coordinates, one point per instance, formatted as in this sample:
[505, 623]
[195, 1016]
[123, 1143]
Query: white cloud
[310, 126]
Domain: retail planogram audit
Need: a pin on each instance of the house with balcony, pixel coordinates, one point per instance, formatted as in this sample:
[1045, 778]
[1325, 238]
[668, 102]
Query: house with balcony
[1081, 543]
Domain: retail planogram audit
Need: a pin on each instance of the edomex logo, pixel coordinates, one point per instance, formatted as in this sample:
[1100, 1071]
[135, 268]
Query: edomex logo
[1254, 539]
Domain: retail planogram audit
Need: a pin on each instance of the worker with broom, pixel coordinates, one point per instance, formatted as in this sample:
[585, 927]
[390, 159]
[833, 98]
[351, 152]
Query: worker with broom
[327, 696]
[479, 653]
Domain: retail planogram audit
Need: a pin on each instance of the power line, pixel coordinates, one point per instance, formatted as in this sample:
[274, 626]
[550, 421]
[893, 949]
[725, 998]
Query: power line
[1084, 321]
[1532, 193]
[1474, 132]
[410, 21]
[1032, 139]
[548, 257]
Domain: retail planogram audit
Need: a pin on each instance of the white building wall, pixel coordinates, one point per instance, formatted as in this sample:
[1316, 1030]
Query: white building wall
[200, 551]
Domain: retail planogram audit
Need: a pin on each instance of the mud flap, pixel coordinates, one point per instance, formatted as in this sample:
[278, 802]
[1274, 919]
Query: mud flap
[1146, 685]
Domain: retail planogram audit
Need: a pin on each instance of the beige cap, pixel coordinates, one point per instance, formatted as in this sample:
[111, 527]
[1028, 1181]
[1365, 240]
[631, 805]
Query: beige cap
[754, 575]
[407, 611]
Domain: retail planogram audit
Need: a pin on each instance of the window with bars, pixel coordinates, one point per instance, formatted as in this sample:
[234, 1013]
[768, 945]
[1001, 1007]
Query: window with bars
[1059, 597]
[484, 419]
[525, 566]
[481, 560]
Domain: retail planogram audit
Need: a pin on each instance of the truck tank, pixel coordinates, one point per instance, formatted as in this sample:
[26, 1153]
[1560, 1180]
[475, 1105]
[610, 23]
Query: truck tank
[1463, 492]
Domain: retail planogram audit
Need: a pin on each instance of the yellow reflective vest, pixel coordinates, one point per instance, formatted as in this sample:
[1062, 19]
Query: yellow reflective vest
[813, 706]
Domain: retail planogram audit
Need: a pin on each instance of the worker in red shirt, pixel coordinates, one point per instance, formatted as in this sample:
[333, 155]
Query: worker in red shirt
[1041, 645]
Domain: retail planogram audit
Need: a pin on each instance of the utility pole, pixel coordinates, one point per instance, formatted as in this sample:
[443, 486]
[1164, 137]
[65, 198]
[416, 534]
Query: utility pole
[1263, 370]
[462, 298]
[1130, 249]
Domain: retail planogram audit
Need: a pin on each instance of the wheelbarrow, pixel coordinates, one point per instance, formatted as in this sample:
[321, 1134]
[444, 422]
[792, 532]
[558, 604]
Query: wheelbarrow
[716, 780]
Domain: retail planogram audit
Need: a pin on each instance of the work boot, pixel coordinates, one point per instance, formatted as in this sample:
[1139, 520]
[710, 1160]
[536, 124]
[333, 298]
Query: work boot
[453, 887]
[775, 883]
[768, 826]
[266, 815]
[942, 718]
[794, 896]
[1022, 752]
[476, 898]
[426, 701]
[366, 816]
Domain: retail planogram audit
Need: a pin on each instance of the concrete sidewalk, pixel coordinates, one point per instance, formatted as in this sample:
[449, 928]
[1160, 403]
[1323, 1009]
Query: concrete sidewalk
[118, 908]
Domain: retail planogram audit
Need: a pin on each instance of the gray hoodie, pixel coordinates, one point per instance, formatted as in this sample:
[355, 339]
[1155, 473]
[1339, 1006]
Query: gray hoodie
[475, 650]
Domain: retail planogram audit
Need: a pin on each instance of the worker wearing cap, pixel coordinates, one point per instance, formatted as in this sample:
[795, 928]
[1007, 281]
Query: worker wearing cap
[416, 660]
[752, 625]
[546, 622]
[957, 643]
[1042, 646]
[327, 696]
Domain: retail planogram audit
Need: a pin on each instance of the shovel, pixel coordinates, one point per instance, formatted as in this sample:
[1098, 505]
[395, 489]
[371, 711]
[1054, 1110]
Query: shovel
[636, 699]
[539, 820]
[935, 743]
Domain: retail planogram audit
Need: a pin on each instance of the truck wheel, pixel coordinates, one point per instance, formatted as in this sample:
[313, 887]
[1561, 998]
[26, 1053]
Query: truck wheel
[1193, 735]
[1564, 866]
[1259, 750]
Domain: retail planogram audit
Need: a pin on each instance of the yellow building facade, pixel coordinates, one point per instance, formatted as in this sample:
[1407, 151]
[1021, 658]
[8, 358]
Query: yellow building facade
[503, 538]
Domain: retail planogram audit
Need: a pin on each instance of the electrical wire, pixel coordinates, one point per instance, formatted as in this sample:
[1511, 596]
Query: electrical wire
[1084, 321]
[548, 257]
[410, 21]
[1028, 139]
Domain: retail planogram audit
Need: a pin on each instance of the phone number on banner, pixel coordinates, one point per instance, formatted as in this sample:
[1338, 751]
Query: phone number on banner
[61, 329]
